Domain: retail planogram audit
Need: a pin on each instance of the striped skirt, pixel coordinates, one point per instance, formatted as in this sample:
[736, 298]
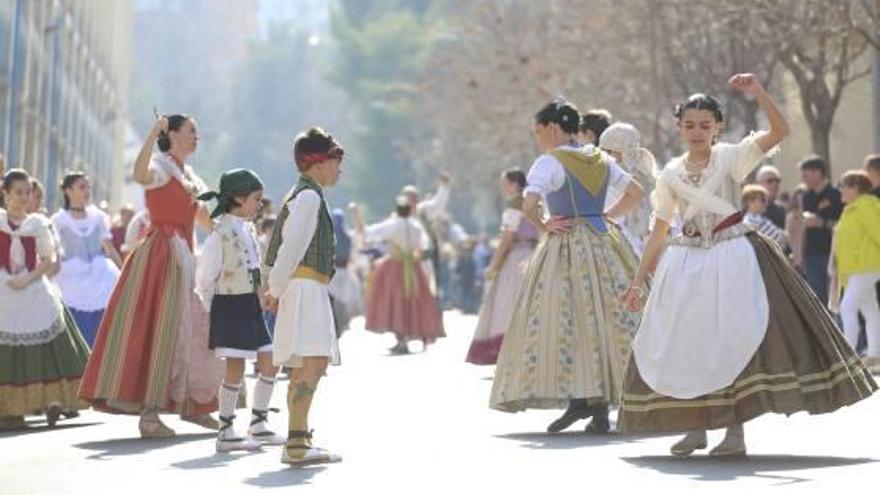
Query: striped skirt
[803, 364]
[151, 350]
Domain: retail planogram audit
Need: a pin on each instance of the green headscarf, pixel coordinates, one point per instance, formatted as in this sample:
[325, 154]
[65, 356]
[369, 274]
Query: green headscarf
[235, 183]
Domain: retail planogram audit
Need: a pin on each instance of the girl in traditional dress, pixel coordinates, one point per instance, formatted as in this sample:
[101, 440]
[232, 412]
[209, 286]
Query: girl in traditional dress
[505, 272]
[399, 299]
[569, 340]
[89, 262]
[42, 355]
[228, 282]
[151, 354]
[730, 331]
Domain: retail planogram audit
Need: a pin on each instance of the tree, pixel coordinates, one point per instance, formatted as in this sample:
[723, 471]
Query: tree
[823, 52]
[278, 91]
[382, 47]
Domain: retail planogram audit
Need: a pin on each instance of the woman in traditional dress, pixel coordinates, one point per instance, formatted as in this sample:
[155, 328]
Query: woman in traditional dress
[623, 142]
[151, 354]
[400, 299]
[505, 272]
[730, 331]
[569, 340]
[89, 262]
[42, 355]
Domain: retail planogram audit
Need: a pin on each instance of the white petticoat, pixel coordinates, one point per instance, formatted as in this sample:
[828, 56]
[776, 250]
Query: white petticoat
[704, 320]
[304, 326]
[87, 285]
[30, 316]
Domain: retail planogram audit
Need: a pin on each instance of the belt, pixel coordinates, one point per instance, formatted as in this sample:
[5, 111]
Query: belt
[690, 230]
[311, 274]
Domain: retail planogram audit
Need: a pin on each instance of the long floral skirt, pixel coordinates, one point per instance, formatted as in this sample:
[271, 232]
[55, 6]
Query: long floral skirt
[570, 336]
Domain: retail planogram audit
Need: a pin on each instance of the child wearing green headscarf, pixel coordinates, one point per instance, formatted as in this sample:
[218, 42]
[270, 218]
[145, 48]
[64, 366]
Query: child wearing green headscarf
[228, 282]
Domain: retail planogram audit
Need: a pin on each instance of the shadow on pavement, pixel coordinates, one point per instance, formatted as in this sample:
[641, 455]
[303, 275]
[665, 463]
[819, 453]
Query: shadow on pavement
[286, 476]
[131, 446]
[34, 427]
[769, 467]
[214, 460]
[569, 439]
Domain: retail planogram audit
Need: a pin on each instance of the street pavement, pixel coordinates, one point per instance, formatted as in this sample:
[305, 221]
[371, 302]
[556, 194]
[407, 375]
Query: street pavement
[420, 424]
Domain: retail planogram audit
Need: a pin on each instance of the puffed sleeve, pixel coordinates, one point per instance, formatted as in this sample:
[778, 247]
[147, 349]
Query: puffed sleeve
[160, 174]
[663, 200]
[545, 175]
[510, 219]
[297, 233]
[743, 157]
[45, 241]
[208, 267]
[618, 178]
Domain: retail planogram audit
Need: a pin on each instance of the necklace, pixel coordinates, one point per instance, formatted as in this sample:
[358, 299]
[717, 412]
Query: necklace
[695, 176]
[77, 210]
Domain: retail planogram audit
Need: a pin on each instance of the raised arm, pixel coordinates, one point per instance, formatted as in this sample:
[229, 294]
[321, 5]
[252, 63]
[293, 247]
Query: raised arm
[142, 173]
[748, 84]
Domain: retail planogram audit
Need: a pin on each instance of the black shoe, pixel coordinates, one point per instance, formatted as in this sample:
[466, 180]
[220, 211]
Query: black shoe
[400, 350]
[599, 424]
[53, 413]
[577, 410]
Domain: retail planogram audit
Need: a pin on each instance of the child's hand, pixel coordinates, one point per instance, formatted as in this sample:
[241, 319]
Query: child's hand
[269, 303]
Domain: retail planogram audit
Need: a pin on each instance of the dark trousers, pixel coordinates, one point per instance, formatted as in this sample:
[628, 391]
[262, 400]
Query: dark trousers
[816, 271]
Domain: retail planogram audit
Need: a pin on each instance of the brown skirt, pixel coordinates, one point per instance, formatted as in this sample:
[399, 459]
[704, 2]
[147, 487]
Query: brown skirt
[803, 364]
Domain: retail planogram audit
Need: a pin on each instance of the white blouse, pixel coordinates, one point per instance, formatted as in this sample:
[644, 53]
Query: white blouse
[718, 191]
[547, 174]
[436, 204]
[297, 233]
[164, 168]
[405, 233]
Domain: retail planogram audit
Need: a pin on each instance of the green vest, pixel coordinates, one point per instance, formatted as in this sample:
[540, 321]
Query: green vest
[319, 255]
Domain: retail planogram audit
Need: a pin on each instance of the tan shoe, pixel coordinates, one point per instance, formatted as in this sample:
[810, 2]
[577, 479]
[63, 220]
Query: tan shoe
[152, 427]
[303, 455]
[694, 440]
[733, 445]
[203, 420]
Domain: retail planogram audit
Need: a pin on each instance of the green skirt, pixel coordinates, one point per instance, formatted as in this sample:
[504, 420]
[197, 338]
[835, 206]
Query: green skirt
[33, 377]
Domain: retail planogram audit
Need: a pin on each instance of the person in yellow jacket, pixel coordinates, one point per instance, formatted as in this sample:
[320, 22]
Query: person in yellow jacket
[857, 261]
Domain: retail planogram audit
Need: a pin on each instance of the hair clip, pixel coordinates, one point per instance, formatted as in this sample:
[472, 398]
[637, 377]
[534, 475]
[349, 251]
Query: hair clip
[560, 101]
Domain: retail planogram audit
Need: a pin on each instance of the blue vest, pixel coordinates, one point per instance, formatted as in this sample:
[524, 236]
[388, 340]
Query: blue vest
[573, 199]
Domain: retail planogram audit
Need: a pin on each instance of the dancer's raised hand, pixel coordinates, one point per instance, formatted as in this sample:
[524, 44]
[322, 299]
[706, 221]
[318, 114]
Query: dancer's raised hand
[747, 83]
